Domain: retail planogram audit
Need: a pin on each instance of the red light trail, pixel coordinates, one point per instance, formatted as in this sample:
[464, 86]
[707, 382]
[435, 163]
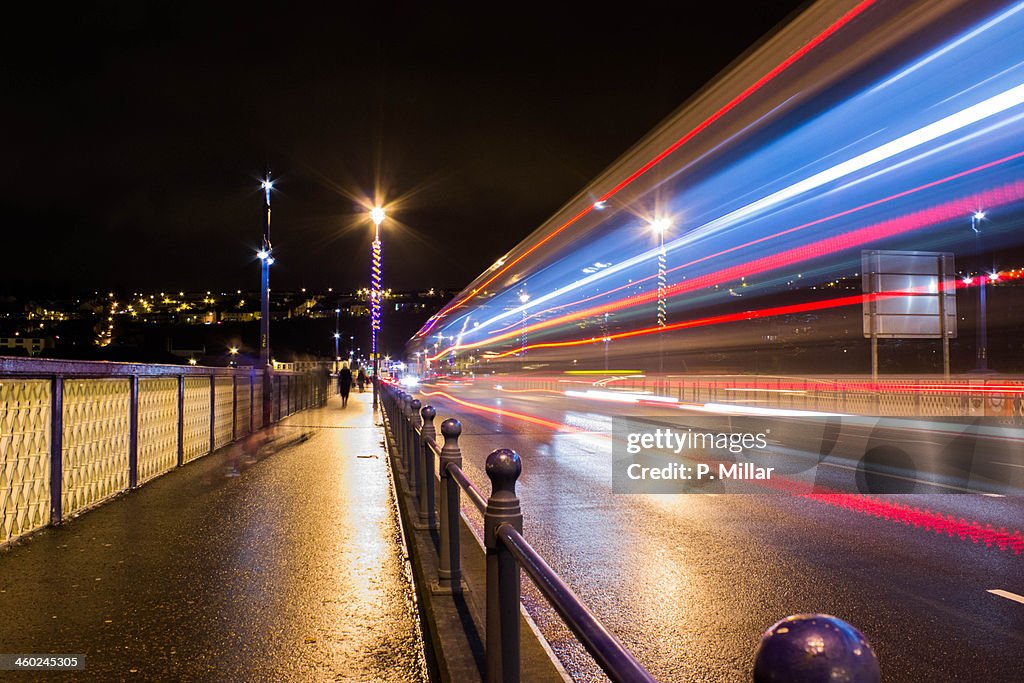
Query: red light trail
[1006, 194]
[729, 106]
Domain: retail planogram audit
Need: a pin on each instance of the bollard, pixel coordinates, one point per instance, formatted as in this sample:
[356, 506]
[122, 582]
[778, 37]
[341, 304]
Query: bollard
[808, 648]
[398, 428]
[502, 638]
[416, 474]
[426, 460]
[403, 428]
[449, 569]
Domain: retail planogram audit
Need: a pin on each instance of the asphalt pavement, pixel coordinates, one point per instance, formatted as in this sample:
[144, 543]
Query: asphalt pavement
[689, 582]
[275, 559]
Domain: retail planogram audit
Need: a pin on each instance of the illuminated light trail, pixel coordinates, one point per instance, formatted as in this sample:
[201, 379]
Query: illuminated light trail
[853, 299]
[788, 231]
[1007, 194]
[729, 106]
[504, 413]
[925, 519]
[527, 391]
[944, 126]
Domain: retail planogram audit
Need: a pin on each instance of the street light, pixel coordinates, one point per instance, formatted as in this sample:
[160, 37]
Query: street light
[981, 333]
[234, 356]
[659, 227]
[377, 216]
[523, 298]
[337, 334]
[266, 260]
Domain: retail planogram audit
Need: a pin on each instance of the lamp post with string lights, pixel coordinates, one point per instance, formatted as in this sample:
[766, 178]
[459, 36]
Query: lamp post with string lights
[377, 215]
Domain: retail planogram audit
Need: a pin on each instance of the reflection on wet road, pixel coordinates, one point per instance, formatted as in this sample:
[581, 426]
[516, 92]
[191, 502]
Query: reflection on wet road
[690, 581]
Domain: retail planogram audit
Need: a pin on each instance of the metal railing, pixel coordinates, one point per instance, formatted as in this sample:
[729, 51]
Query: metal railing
[75, 433]
[411, 427]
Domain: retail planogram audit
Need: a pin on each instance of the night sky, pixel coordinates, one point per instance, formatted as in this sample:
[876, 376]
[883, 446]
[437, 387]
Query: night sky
[134, 132]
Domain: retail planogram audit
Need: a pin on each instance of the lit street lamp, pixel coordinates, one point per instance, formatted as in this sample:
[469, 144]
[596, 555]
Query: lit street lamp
[659, 226]
[266, 260]
[377, 216]
[981, 351]
[337, 335]
[523, 298]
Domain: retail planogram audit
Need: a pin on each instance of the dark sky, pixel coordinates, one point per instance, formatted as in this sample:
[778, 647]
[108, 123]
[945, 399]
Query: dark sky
[134, 132]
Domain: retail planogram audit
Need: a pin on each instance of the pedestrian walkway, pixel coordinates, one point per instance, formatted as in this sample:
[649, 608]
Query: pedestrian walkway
[277, 558]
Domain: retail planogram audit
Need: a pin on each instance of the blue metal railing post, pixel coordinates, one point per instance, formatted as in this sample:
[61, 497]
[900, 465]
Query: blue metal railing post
[449, 570]
[133, 431]
[56, 449]
[503, 581]
[414, 449]
[426, 458]
[181, 420]
[403, 428]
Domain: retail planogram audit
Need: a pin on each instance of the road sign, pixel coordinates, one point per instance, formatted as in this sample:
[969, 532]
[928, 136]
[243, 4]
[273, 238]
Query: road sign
[908, 294]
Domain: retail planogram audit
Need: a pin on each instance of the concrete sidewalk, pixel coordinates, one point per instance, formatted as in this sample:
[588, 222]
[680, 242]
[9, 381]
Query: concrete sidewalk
[277, 558]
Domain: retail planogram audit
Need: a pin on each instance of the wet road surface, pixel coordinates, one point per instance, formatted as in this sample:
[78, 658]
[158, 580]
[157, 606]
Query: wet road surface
[275, 559]
[689, 582]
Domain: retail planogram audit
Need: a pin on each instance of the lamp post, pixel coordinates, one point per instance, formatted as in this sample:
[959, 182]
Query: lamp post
[377, 216]
[337, 335]
[523, 298]
[659, 226]
[266, 260]
[981, 351]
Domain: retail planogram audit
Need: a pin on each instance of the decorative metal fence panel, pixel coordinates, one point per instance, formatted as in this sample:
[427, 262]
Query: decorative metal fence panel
[158, 426]
[243, 405]
[223, 410]
[96, 435]
[25, 407]
[196, 418]
[112, 426]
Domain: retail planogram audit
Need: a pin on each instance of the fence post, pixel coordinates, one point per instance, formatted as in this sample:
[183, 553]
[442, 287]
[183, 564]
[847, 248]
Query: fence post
[181, 420]
[502, 642]
[252, 401]
[427, 459]
[133, 431]
[403, 428]
[56, 449]
[234, 405]
[449, 570]
[414, 449]
[839, 652]
[213, 410]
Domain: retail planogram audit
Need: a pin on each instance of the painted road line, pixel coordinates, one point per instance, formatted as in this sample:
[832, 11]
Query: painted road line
[1008, 464]
[929, 483]
[1007, 594]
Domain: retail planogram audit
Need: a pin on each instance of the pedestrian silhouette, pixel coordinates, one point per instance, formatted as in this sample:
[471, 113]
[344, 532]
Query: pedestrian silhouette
[361, 379]
[344, 383]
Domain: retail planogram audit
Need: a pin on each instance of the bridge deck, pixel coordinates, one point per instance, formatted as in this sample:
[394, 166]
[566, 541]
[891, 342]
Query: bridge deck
[276, 558]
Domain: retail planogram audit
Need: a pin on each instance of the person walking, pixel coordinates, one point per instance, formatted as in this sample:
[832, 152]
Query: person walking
[344, 383]
[361, 379]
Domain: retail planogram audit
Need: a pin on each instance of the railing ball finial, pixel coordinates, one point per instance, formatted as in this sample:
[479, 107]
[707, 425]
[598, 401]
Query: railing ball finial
[450, 430]
[807, 648]
[503, 469]
[428, 413]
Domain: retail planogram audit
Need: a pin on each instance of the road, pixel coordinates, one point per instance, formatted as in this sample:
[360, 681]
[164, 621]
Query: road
[689, 582]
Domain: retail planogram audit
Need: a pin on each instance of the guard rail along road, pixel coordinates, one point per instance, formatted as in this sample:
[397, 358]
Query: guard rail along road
[75, 433]
[802, 648]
